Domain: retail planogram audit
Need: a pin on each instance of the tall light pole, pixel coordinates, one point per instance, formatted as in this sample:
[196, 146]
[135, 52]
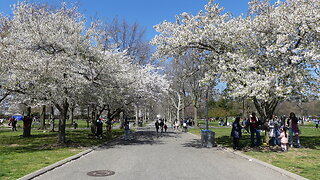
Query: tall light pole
[207, 109]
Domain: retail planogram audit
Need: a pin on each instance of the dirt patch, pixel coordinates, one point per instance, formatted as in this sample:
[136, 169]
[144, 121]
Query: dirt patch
[263, 149]
[13, 145]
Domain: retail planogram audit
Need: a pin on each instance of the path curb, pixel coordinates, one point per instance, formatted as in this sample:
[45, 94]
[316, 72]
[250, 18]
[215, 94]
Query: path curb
[280, 170]
[55, 165]
[64, 161]
[270, 166]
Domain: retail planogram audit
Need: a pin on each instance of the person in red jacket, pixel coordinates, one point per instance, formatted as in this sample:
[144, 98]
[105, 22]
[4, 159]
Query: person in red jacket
[254, 129]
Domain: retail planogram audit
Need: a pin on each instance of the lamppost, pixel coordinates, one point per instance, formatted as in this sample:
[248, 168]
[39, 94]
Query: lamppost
[207, 109]
[207, 136]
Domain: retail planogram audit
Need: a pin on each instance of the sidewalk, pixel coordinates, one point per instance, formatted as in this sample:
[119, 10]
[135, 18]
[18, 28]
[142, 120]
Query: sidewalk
[173, 155]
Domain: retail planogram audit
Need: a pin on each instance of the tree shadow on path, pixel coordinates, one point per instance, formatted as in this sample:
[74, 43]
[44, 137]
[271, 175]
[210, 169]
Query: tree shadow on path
[196, 143]
[146, 137]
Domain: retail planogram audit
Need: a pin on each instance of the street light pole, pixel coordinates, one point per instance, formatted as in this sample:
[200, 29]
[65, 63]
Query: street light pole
[207, 109]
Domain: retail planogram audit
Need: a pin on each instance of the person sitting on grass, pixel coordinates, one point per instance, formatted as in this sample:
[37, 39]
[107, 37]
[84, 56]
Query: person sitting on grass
[236, 133]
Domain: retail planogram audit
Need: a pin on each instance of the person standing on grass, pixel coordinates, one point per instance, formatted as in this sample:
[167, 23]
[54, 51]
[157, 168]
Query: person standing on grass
[254, 129]
[317, 123]
[294, 129]
[284, 139]
[236, 133]
[14, 124]
[274, 130]
[245, 125]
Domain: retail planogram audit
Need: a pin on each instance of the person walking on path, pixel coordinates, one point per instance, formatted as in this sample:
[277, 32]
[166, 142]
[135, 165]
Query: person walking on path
[161, 125]
[99, 128]
[127, 130]
[165, 127]
[176, 124]
[293, 129]
[254, 129]
[156, 124]
[236, 133]
[284, 139]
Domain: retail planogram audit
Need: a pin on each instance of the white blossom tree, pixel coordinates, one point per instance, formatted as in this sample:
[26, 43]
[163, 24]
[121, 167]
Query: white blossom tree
[267, 56]
[51, 57]
[48, 52]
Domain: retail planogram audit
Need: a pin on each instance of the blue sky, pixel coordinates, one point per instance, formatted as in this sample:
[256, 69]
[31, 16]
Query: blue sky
[145, 12]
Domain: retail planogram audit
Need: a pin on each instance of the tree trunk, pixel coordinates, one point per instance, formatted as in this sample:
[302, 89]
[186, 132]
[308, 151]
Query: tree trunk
[243, 107]
[62, 121]
[43, 118]
[121, 119]
[144, 115]
[52, 119]
[183, 109]
[27, 122]
[71, 116]
[195, 111]
[265, 110]
[88, 117]
[226, 123]
[136, 113]
[179, 106]
[93, 120]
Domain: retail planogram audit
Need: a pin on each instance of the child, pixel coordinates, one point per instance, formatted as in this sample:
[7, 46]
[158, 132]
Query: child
[284, 139]
[236, 133]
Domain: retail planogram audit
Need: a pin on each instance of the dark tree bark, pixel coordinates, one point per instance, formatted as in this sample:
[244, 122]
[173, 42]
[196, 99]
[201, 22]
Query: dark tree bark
[94, 120]
[121, 119]
[62, 121]
[88, 117]
[52, 119]
[71, 116]
[265, 108]
[27, 122]
[43, 118]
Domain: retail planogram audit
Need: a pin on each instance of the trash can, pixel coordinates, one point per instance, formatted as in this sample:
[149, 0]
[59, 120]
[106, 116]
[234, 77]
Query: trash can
[207, 138]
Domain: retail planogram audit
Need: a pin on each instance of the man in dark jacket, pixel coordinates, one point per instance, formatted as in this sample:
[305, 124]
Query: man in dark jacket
[236, 133]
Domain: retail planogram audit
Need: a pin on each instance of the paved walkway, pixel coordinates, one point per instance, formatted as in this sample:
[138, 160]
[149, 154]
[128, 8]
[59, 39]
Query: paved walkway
[172, 155]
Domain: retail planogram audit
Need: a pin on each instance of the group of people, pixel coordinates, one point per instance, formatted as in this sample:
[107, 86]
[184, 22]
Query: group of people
[99, 125]
[161, 125]
[278, 131]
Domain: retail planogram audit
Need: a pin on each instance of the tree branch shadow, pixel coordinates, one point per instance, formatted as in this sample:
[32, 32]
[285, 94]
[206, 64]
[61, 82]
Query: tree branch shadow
[140, 138]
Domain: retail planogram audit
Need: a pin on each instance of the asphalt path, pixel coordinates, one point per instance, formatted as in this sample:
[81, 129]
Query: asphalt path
[172, 155]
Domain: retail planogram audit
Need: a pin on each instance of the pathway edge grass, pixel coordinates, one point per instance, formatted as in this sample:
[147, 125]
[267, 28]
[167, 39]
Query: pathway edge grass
[21, 156]
[301, 161]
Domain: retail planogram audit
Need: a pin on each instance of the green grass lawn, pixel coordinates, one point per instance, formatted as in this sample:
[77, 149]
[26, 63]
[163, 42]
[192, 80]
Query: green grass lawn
[20, 156]
[302, 161]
